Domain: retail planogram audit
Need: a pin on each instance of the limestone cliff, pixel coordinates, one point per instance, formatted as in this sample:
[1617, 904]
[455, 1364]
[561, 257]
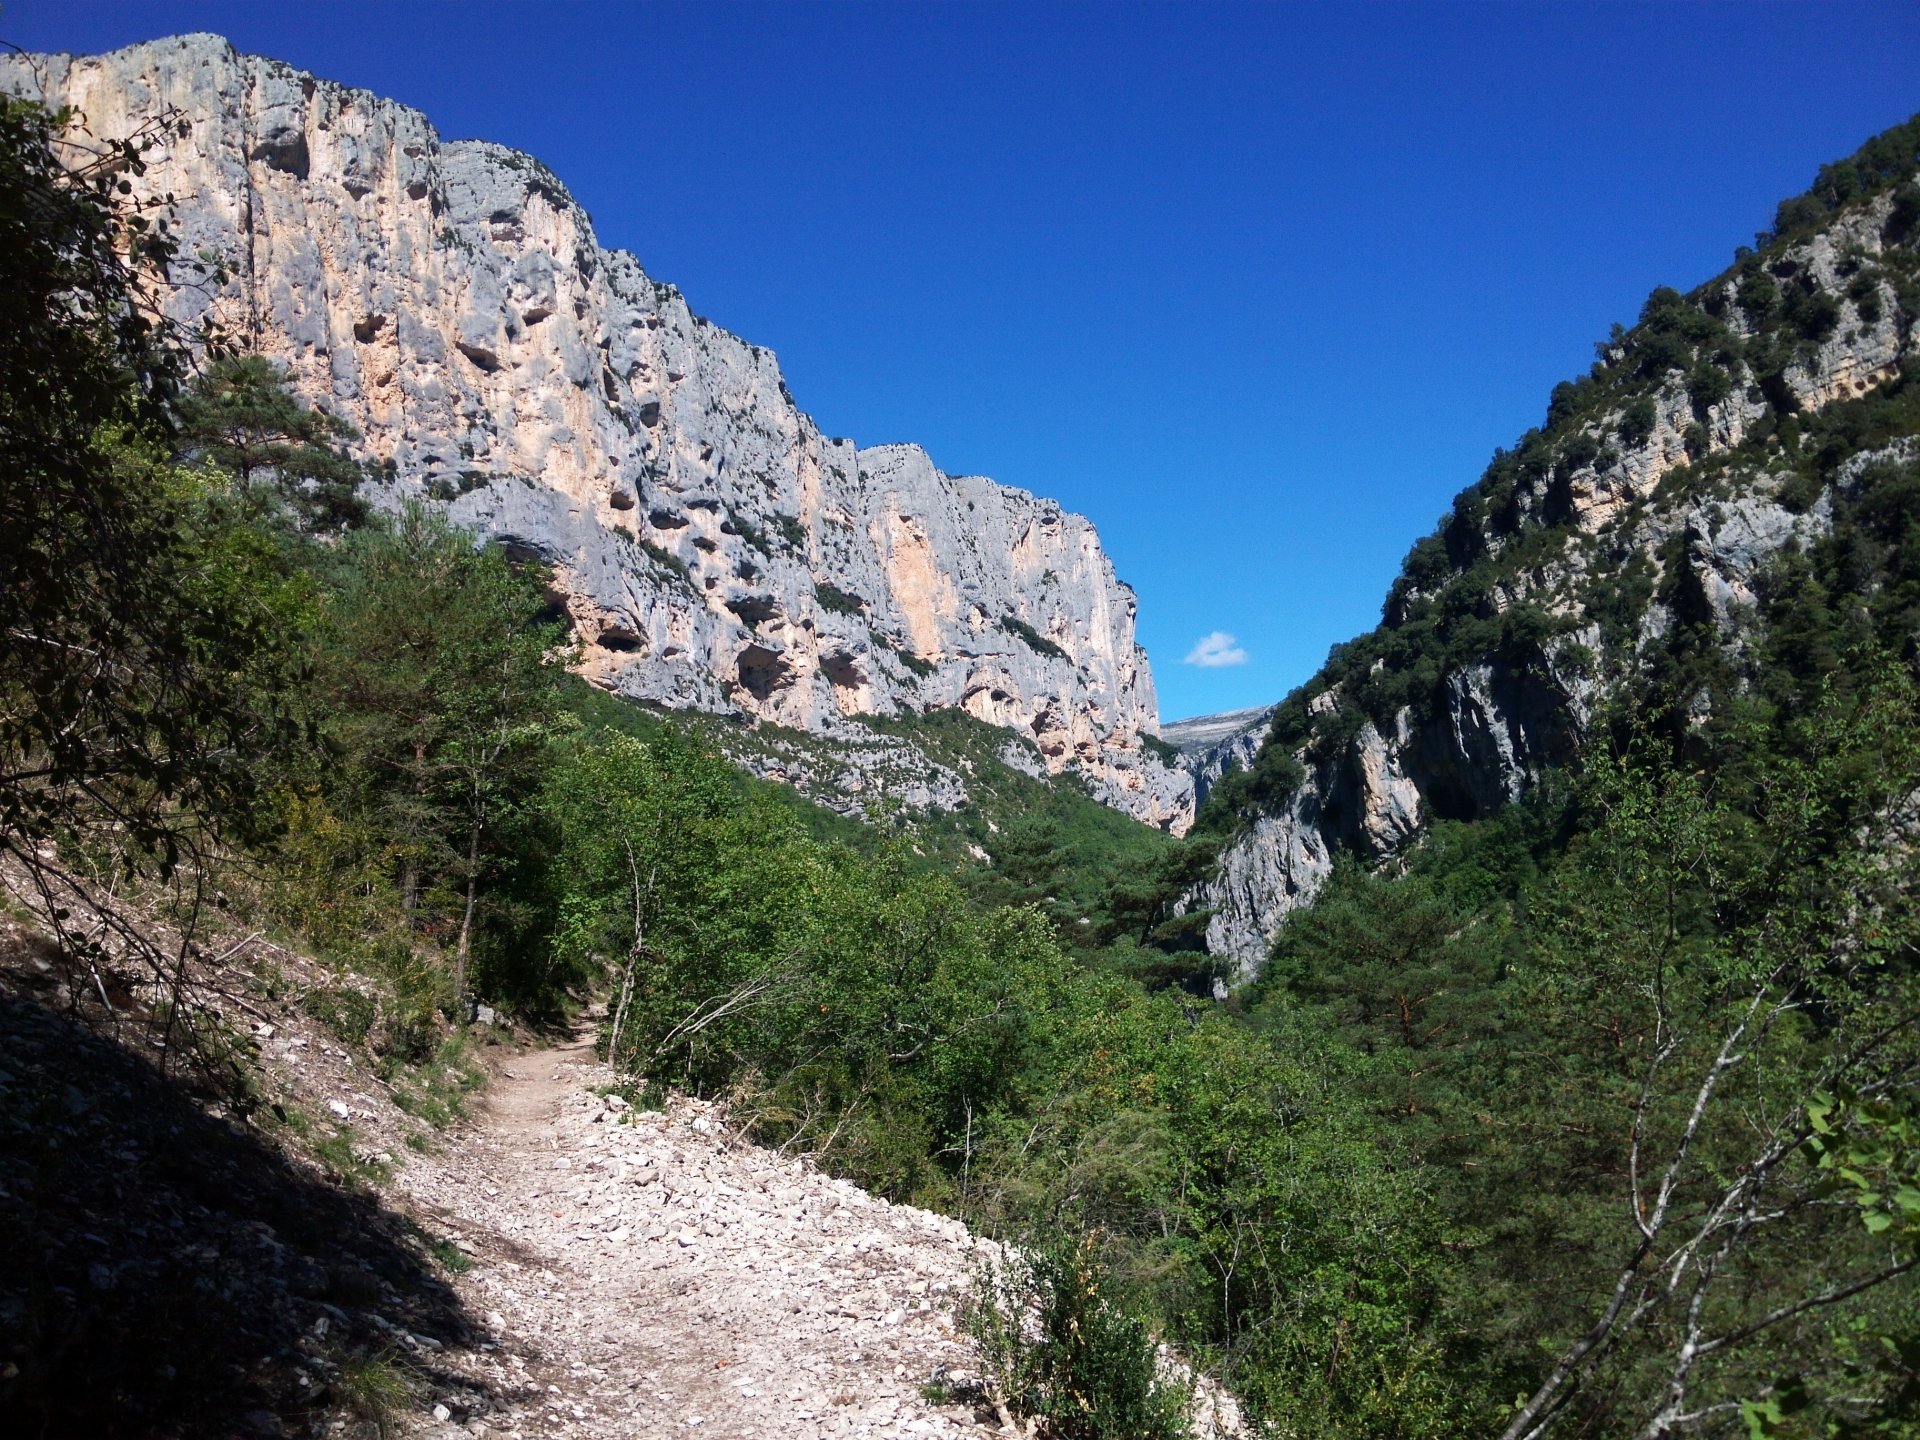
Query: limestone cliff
[1212, 745]
[1642, 519]
[713, 548]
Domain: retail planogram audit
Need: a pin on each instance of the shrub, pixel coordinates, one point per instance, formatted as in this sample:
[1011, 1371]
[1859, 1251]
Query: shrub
[832, 598]
[1707, 386]
[1056, 1348]
[738, 524]
[791, 530]
[666, 560]
[1636, 423]
[1019, 628]
[1169, 754]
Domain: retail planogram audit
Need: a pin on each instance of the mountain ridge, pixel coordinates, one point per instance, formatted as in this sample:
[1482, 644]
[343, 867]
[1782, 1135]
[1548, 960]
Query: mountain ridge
[1645, 514]
[713, 548]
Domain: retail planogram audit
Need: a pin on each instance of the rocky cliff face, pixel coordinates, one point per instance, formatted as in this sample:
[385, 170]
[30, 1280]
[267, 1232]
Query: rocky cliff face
[1212, 745]
[1653, 502]
[713, 548]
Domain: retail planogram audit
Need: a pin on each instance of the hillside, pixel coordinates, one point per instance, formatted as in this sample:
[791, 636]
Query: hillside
[1645, 551]
[713, 549]
[1577, 1093]
[522, 1251]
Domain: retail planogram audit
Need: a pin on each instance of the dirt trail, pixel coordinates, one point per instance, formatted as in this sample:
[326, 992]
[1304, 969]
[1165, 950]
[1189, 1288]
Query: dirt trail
[641, 1275]
[615, 1274]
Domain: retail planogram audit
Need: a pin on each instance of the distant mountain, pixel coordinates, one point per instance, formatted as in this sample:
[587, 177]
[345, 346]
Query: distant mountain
[1203, 732]
[714, 550]
[1213, 745]
[1731, 488]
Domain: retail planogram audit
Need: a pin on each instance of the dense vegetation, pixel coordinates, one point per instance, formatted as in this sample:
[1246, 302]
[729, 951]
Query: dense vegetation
[1601, 1115]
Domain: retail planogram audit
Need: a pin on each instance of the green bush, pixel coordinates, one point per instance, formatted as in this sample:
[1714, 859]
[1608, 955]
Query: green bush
[1057, 1349]
[1636, 422]
[1015, 626]
[347, 1014]
[832, 598]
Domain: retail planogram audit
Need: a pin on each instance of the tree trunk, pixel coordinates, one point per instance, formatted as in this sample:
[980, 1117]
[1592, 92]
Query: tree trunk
[464, 948]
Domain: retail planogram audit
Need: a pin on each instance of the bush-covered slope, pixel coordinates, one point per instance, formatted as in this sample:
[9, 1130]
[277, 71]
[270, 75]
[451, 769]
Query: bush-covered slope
[1632, 552]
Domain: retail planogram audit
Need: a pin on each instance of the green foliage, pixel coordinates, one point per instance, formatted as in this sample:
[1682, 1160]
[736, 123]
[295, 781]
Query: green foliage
[1033, 639]
[141, 615]
[1514, 528]
[438, 691]
[377, 1389]
[839, 602]
[821, 984]
[914, 663]
[1045, 840]
[667, 561]
[738, 524]
[436, 1089]
[1537, 1014]
[1653, 1033]
[1887, 160]
[1636, 422]
[347, 1014]
[149, 626]
[239, 415]
[1167, 753]
[1058, 1350]
[791, 530]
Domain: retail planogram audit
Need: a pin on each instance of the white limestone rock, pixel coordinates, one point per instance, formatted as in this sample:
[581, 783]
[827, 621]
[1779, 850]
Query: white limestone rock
[713, 548]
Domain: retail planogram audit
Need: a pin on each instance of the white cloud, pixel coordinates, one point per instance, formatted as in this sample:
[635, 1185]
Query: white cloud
[1216, 650]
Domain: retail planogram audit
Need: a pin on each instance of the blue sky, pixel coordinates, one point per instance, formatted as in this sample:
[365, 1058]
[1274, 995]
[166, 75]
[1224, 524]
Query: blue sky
[1256, 287]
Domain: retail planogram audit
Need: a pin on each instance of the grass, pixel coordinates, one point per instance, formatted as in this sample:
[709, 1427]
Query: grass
[452, 1258]
[345, 1013]
[639, 1094]
[376, 1389]
[337, 1153]
[436, 1091]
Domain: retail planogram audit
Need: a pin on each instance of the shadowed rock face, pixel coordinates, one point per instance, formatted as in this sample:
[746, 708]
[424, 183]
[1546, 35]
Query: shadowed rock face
[451, 300]
[1501, 720]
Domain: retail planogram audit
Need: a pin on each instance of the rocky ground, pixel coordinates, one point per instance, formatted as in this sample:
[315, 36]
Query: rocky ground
[644, 1275]
[556, 1264]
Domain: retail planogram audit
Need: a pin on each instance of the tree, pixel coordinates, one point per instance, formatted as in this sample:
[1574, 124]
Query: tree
[140, 620]
[239, 415]
[1400, 973]
[1757, 973]
[439, 680]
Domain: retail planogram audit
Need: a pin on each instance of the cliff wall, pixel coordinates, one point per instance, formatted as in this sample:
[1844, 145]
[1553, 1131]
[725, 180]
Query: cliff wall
[1640, 520]
[712, 547]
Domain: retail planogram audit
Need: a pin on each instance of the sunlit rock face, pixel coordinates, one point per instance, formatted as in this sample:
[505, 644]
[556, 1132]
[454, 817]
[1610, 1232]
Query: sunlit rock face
[1502, 720]
[712, 547]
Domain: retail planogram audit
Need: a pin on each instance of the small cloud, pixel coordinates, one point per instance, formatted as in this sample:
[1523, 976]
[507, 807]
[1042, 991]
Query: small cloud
[1216, 650]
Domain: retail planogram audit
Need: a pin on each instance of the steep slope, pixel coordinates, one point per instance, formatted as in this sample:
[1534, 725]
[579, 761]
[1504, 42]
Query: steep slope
[1625, 559]
[713, 548]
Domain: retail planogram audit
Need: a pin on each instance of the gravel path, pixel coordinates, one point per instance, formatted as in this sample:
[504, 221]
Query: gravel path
[641, 1275]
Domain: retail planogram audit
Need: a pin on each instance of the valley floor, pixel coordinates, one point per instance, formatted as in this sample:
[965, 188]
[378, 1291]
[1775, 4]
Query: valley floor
[556, 1264]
